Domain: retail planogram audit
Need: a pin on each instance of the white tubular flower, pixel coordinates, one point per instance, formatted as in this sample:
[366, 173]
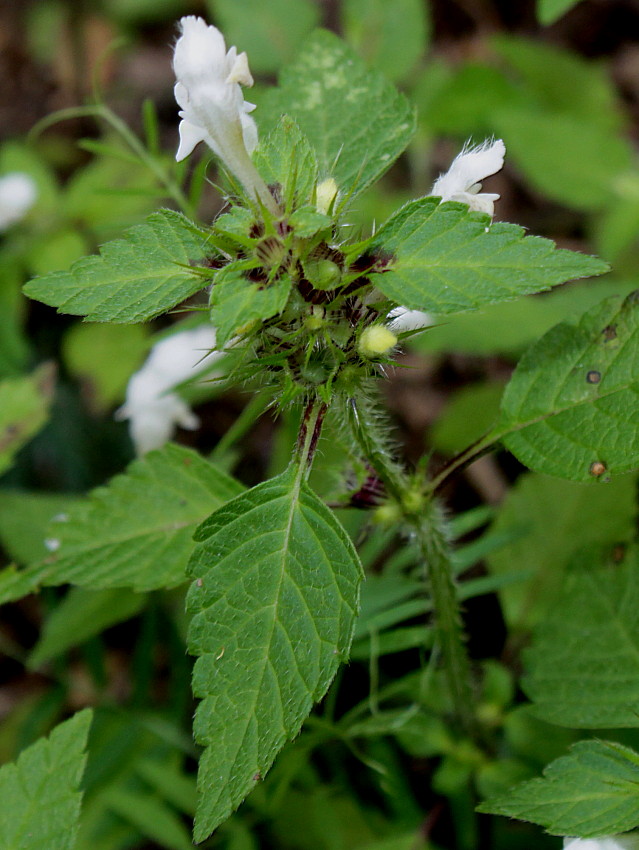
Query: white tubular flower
[402, 319]
[152, 408]
[462, 181]
[213, 109]
[629, 841]
[18, 193]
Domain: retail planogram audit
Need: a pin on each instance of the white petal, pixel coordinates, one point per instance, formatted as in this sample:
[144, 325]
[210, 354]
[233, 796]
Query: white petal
[249, 132]
[471, 166]
[18, 193]
[190, 136]
[240, 72]
[403, 319]
[200, 51]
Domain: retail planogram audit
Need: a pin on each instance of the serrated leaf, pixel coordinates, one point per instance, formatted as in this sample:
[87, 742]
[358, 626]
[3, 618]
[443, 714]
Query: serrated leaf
[24, 406]
[82, 614]
[549, 10]
[442, 258]
[357, 122]
[40, 794]
[137, 531]
[583, 664]
[273, 605]
[285, 157]
[572, 404]
[594, 790]
[555, 519]
[132, 279]
[236, 302]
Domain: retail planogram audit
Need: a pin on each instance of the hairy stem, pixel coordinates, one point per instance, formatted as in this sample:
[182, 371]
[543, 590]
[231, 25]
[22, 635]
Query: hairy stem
[433, 541]
[429, 525]
[309, 434]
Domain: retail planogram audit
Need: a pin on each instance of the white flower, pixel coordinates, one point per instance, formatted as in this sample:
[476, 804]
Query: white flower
[213, 109]
[151, 407]
[402, 319]
[629, 841]
[462, 181]
[18, 193]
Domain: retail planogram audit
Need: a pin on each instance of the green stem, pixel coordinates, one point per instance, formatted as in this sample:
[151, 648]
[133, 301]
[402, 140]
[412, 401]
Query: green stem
[429, 525]
[463, 459]
[433, 541]
[309, 434]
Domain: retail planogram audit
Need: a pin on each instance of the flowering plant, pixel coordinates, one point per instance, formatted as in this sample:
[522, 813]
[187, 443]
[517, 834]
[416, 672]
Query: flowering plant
[309, 321]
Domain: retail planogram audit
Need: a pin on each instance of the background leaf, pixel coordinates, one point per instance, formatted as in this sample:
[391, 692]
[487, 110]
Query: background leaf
[594, 790]
[549, 10]
[583, 664]
[132, 279]
[356, 121]
[273, 605]
[269, 32]
[390, 35]
[556, 519]
[40, 794]
[137, 531]
[24, 405]
[444, 259]
[572, 404]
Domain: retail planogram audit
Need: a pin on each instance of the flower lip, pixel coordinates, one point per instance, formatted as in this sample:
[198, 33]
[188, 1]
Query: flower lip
[462, 182]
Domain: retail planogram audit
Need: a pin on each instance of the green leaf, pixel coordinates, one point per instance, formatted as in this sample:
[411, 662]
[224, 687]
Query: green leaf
[152, 817]
[24, 407]
[443, 258]
[137, 531]
[594, 790]
[556, 154]
[285, 157]
[82, 614]
[572, 404]
[274, 600]
[583, 665]
[269, 32]
[555, 519]
[236, 302]
[389, 34]
[25, 519]
[549, 10]
[555, 80]
[132, 279]
[355, 119]
[40, 794]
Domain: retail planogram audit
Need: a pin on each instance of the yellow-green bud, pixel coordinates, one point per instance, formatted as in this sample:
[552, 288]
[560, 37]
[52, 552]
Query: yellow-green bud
[376, 341]
[387, 514]
[412, 501]
[314, 322]
[326, 192]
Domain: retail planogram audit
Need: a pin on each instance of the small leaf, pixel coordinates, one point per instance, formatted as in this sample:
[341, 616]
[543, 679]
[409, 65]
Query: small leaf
[285, 157]
[442, 258]
[274, 602]
[583, 664]
[572, 404]
[355, 119]
[132, 279]
[137, 531]
[236, 302]
[24, 406]
[40, 793]
[594, 790]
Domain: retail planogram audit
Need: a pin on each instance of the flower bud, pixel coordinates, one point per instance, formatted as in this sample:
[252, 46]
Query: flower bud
[326, 193]
[376, 341]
